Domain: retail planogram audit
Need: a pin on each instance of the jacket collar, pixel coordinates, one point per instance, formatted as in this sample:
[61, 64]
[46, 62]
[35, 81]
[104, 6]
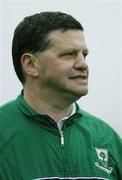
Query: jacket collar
[32, 114]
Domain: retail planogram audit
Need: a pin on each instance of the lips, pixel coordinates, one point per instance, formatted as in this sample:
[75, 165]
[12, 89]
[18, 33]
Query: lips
[83, 77]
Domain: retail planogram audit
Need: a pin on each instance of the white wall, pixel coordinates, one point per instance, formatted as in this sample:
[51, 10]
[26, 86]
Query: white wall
[103, 29]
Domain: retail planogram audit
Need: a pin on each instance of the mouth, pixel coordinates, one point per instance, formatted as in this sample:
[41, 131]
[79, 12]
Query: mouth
[81, 77]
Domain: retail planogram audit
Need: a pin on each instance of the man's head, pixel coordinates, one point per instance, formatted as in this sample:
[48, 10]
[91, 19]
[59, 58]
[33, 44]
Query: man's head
[31, 35]
[49, 51]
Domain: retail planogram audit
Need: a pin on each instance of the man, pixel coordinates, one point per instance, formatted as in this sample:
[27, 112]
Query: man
[43, 133]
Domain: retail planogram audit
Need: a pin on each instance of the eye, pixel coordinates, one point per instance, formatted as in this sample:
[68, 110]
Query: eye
[85, 54]
[69, 54]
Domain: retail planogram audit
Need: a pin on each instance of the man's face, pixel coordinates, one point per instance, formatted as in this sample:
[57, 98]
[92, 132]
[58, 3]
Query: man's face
[63, 68]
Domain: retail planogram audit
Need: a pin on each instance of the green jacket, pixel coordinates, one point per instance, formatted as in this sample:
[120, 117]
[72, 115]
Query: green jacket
[32, 147]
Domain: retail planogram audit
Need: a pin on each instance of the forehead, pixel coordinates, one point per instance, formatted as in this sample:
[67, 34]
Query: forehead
[67, 39]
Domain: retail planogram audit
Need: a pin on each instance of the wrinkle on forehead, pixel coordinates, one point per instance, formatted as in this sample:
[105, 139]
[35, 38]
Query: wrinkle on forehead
[69, 39]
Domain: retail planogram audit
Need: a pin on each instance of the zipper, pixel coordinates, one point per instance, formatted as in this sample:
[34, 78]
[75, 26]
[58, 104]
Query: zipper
[62, 138]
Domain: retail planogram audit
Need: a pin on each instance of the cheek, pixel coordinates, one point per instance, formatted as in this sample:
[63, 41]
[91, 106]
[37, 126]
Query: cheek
[50, 72]
[55, 68]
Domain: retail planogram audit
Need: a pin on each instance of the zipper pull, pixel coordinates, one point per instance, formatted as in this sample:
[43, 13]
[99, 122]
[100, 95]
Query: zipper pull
[62, 138]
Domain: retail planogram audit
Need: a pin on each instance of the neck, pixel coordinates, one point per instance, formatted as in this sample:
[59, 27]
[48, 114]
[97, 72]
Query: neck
[46, 103]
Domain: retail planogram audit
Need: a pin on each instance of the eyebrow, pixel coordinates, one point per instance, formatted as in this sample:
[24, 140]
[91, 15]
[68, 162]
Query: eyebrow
[86, 51]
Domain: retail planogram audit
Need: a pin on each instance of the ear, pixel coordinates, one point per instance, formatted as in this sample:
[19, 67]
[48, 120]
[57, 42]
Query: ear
[29, 64]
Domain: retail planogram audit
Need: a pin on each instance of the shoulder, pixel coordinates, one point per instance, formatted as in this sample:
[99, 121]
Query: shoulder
[8, 112]
[7, 108]
[92, 120]
[97, 128]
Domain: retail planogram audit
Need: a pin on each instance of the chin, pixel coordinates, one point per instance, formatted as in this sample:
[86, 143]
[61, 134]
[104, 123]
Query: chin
[79, 94]
[83, 93]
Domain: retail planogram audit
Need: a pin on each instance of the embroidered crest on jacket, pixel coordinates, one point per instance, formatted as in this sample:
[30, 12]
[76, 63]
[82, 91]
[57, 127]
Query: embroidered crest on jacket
[102, 155]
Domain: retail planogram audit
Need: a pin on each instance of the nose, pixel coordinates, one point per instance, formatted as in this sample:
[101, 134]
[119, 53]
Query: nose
[80, 63]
